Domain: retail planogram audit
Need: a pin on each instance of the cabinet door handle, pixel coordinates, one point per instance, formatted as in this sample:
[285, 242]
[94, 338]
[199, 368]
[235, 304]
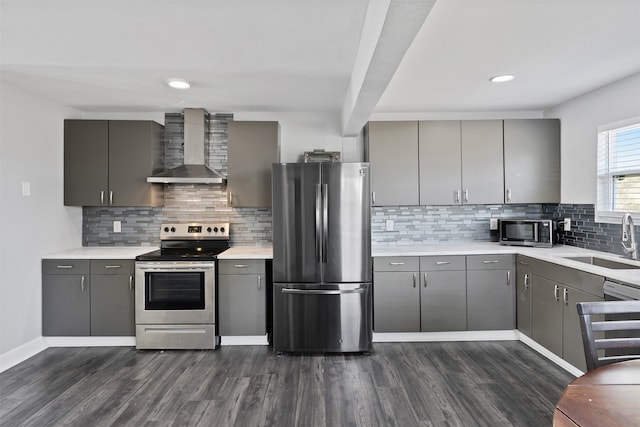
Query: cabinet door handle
[508, 277]
[565, 296]
[396, 263]
[373, 197]
[112, 266]
[111, 197]
[442, 262]
[241, 265]
[526, 281]
[64, 266]
[82, 283]
[230, 198]
[425, 280]
[259, 282]
[523, 263]
[466, 196]
[414, 280]
[508, 194]
[102, 197]
[456, 196]
[130, 283]
[490, 261]
[555, 293]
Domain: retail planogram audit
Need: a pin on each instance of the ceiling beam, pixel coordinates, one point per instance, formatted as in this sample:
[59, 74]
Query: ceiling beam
[390, 28]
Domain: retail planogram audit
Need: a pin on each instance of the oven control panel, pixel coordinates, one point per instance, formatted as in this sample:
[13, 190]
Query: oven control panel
[196, 231]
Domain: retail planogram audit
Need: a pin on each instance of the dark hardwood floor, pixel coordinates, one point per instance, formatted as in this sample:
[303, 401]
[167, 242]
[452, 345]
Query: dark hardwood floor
[399, 384]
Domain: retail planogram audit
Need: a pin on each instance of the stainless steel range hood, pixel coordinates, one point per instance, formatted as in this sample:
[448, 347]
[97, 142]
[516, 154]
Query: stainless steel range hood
[194, 170]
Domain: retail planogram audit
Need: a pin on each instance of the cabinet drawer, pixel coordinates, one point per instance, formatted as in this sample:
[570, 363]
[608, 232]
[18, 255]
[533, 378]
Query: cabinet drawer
[65, 266]
[112, 266]
[442, 263]
[393, 263]
[489, 262]
[241, 266]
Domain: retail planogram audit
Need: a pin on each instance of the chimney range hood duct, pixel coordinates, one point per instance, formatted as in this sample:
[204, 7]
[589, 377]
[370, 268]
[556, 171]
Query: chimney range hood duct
[194, 170]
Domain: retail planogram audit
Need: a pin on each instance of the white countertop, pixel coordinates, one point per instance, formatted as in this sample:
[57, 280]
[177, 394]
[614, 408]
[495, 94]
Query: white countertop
[556, 255]
[102, 252]
[247, 252]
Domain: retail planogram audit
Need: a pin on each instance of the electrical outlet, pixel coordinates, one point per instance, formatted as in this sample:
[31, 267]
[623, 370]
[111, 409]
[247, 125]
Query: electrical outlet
[117, 226]
[389, 225]
[493, 223]
[26, 188]
[567, 224]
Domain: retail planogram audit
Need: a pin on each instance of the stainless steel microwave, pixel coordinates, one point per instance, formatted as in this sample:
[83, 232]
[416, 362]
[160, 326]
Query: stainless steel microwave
[528, 232]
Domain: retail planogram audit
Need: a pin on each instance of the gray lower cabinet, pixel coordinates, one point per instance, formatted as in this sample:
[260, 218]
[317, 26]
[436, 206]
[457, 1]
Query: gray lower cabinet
[106, 163]
[88, 297]
[65, 297]
[523, 295]
[490, 292]
[532, 160]
[443, 293]
[242, 299]
[392, 150]
[253, 148]
[112, 298]
[396, 294]
[546, 314]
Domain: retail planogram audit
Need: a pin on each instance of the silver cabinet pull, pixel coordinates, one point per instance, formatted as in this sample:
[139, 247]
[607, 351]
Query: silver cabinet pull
[523, 263]
[111, 197]
[130, 283]
[64, 266]
[526, 281]
[508, 194]
[112, 266]
[241, 265]
[373, 197]
[102, 197]
[466, 196]
[396, 263]
[555, 293]
[456, 196]
[259, 282]
[508, 277]
[414, 280]
[230, 198]
[565, 296]
[82, 283]
[425, 280]
[490, 261]
[442, 262]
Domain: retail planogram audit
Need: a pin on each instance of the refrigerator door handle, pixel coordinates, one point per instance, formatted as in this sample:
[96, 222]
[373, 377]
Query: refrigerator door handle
[322, 292]
[325, 221]
[318, 223]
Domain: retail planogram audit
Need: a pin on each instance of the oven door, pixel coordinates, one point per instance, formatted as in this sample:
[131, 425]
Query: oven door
[175, 292]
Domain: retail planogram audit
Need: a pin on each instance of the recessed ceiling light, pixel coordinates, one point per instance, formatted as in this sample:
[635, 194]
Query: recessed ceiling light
[501, 78]
[179, 84]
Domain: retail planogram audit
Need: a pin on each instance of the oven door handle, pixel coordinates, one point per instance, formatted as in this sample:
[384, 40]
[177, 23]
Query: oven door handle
[174, 270]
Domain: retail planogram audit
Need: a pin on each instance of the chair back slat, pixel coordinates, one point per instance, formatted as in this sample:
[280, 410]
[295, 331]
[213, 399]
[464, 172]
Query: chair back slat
[614, 339]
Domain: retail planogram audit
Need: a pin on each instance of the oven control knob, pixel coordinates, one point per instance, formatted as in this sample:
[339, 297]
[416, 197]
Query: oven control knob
[222, 229]
[208, 229]
[215, 229]
[166, 229]
[173, 229]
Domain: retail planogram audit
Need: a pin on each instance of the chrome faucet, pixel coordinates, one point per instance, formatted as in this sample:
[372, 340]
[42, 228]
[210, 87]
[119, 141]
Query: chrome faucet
[628, 230]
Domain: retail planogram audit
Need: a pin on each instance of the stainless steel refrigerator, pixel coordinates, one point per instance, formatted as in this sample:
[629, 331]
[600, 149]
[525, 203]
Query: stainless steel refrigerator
[322, 257]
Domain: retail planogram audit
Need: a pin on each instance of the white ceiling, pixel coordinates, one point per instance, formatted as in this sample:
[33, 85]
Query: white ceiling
[299, 55]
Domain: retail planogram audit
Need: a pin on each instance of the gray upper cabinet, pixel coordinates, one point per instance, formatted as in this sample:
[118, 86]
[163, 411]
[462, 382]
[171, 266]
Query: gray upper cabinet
[106, 163]
[440, 162]
[532, 161]
[253, 148]
[392, 150]
[482, 162]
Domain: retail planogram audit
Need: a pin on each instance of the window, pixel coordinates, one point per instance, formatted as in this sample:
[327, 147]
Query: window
[618, 171]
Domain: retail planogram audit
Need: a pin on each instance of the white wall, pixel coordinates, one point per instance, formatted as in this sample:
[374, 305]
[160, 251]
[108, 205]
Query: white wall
[31, 150]
[580, 118]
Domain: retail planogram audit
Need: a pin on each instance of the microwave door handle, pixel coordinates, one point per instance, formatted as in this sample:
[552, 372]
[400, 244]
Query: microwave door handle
[535, 231]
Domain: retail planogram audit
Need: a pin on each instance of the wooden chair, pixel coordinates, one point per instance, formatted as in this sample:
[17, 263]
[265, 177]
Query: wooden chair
[614, 339]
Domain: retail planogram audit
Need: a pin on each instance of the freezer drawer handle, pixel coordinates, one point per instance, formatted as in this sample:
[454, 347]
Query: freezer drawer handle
[321, 292]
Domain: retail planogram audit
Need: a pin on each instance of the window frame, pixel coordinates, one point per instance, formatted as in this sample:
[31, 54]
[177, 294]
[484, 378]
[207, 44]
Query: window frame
[606, 215]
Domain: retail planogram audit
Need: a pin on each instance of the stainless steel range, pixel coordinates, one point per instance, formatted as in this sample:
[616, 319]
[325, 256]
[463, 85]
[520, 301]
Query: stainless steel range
[176, 298]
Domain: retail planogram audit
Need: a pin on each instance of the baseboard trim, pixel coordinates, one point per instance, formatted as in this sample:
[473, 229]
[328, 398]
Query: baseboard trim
[19, 354]
[550, 355]
[90, 341]
[507, 335]
[244, 340]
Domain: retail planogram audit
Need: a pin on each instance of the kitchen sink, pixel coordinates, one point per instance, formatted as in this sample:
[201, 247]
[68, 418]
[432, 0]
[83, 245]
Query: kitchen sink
[604, 262]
